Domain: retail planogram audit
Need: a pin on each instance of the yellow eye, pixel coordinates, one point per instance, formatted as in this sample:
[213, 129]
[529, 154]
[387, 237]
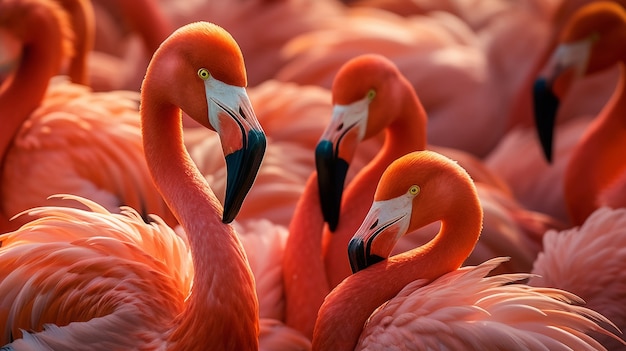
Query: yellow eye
[414, 190]
[204, 73]
[371, 94]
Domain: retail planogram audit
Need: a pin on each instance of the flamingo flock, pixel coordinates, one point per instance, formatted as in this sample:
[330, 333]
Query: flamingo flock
[312, 175]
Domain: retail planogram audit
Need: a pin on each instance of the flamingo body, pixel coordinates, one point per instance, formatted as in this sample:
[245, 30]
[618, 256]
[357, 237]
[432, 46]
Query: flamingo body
[440, 306]
[219, 310]
[68, 139]
[586, 261]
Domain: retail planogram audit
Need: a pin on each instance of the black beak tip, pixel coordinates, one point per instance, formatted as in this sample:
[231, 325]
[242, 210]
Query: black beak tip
[242, 167]
[331, 175]
[545, 105]
[359, 257]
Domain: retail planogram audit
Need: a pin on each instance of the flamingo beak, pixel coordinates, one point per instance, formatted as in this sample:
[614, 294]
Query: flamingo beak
[545, 105]
[567, 62]
[333, 155]
[386, 222]
[243, 142]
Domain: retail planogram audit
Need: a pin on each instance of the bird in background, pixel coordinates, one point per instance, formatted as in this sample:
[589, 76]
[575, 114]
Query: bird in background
[587, 260]
[127, 33]
[60, 137]
[519, 151]
[90, 279]
[421, 299]
[595, 175]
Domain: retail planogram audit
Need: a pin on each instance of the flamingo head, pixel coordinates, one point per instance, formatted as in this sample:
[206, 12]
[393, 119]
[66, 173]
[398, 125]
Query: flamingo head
[359, 89]
[215, 96]
[414, 191]
[590, 42]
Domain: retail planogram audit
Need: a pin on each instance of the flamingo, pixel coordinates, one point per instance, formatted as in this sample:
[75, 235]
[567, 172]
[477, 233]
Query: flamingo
[421, 299]
[96, 280]
[595, 168]
[59, 137]
[371, 95]
[586, 95]
[586, 260]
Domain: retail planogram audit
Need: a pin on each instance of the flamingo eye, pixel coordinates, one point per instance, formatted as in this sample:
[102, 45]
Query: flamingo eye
[371, 94]
[204, 73]
[414, 190]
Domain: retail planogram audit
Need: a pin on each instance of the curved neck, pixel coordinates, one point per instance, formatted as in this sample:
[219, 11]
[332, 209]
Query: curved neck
[30, 82]
[83, 25]
[222, 311]
[346, 309]
[407, 133]
[146, 18]
[598, 159]
[303, 268]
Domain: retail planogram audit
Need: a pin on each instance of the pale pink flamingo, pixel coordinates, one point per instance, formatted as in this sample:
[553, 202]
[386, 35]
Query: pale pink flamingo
[91, 279]
[59, 137]
[421, 299]
[370, 96]
[588, 261]
[589, 44]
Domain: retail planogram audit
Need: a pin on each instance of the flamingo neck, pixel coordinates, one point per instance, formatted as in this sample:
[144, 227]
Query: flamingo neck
[347, 308]
[146, 18]
[221, 312]
[303, 268]
[407, 133]
[598, 159]
[83, 24]
[30, 82]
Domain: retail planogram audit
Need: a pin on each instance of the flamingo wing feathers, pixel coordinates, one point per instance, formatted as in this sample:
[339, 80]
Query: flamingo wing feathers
[91, 263]
[467, 310]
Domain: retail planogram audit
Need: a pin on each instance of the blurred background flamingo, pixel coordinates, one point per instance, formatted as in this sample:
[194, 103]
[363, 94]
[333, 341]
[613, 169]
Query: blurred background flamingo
[60, 137]
[595, 174]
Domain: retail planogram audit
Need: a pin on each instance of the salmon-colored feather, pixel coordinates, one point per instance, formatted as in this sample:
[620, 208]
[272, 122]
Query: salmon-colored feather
[421, 299]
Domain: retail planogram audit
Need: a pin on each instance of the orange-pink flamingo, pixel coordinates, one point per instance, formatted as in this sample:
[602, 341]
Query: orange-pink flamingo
[59, 137]
[587, 45]
[421, 299]
[89, 279]
[370, 96]
[588, 261]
